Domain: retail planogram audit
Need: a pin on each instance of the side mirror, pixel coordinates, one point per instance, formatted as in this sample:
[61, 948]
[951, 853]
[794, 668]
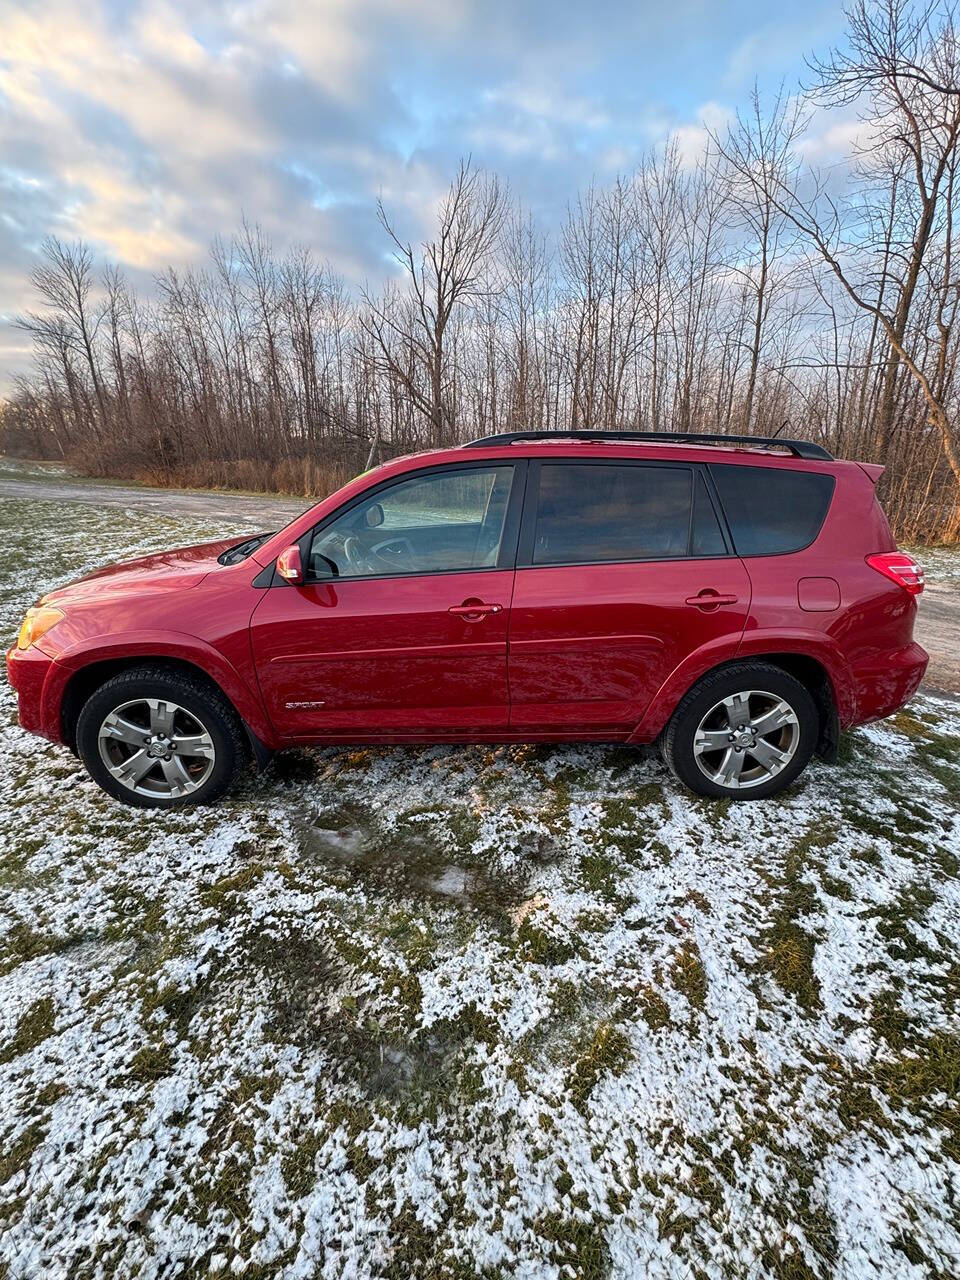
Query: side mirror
[290, 565]
[373, 516]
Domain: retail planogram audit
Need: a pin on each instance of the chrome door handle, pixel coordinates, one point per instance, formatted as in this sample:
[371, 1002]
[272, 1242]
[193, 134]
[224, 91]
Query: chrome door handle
[710, 599]
[474, 610]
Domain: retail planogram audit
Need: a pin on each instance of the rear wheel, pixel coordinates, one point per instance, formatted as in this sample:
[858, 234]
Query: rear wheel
[745, 732]
[159, 739]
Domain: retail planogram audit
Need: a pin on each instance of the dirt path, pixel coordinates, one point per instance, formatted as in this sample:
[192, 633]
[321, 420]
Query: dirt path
[275, 511]
[938, 626]
[938, 630]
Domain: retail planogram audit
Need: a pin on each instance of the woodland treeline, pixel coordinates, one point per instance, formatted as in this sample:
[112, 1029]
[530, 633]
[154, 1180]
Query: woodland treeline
[741, 293]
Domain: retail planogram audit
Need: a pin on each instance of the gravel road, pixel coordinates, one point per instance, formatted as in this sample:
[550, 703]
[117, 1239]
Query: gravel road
[938, 626]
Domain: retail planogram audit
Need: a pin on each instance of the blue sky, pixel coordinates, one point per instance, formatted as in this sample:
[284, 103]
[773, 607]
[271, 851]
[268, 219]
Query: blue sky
[149, 127]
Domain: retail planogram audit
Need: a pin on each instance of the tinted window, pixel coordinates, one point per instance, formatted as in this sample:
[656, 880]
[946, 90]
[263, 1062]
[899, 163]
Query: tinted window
[706, 538]
[447, 520]
[771, 509]
[604, 512]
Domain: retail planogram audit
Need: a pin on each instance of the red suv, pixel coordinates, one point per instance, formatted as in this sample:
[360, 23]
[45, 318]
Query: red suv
[735, 599]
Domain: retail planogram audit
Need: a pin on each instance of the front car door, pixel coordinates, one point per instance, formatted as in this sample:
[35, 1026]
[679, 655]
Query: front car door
[623, 572]
[401, 627]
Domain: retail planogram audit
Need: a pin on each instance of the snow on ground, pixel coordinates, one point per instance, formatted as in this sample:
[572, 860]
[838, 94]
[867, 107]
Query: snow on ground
[474, 1012]
[940, 564]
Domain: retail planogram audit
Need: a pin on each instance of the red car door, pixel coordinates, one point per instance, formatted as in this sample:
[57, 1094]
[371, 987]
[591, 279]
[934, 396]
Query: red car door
[401, 626]
[623, 572]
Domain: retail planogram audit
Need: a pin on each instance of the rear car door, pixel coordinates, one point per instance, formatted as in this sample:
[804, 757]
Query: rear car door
[623, 572]
[401, 626]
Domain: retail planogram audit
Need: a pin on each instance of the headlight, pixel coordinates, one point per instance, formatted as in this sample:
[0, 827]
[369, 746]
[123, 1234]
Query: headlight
[37, 623]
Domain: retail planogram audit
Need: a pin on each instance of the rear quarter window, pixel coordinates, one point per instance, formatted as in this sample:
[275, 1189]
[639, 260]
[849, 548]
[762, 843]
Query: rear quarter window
[772, 510]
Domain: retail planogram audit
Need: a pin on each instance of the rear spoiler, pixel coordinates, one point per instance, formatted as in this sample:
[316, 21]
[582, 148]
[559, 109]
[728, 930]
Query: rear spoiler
[873, 469]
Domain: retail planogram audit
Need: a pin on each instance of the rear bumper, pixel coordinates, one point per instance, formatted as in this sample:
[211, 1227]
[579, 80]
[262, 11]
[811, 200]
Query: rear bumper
[882, 688]
[39, 682]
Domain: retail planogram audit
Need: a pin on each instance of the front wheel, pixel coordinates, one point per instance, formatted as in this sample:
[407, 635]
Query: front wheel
[744, 733]
[159, 739]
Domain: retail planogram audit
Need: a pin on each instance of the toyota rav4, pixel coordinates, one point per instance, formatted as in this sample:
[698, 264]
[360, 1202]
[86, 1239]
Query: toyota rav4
[736, 600]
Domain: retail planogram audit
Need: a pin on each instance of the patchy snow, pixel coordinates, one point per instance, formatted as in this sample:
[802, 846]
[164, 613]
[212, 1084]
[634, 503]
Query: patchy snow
[530, 1012]
[940, 564]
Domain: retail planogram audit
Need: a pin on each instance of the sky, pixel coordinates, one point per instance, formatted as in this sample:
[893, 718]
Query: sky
[147, 127]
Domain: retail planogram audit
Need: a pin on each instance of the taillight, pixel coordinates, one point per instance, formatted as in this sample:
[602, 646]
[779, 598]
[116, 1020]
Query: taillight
[899, 568]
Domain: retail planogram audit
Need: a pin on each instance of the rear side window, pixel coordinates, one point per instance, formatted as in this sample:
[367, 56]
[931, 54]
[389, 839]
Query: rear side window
[771, 510]
[600, 512]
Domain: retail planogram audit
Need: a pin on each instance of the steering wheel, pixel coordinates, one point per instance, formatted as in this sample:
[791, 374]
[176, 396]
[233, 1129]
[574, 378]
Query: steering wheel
[393, 554]
[354, 555]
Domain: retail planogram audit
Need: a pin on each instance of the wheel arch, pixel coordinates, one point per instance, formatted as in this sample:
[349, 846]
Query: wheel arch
[816, 679]
[85, 680]
[812, 672]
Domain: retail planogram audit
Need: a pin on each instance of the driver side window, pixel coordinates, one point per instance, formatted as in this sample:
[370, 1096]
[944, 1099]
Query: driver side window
[441, 522]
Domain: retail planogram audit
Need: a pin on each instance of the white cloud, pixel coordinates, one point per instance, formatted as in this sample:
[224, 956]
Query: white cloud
[693, 139]
[831, 138]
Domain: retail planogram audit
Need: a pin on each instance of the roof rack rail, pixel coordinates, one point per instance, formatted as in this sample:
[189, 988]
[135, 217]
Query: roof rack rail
[799, 448]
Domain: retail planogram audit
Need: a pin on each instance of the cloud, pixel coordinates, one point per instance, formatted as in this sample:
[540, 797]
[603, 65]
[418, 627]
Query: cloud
[147, 127]
[693, 139]
[832, 137]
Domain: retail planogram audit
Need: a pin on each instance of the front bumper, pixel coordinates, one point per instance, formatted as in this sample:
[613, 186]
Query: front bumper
[883, 688]
[39, 682]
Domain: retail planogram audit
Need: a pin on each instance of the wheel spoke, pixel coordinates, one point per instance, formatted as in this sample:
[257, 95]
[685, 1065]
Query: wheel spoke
[731, 767]
[175, 775]
[161, 716]
[776, 718]
[134, 768]
[768, 756]
[738, 710]
[122, 730]
[196, 744]
[711, 740]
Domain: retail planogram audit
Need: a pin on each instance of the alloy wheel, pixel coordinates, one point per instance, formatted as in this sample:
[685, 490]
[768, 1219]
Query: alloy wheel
[155, 747]
[746, 739]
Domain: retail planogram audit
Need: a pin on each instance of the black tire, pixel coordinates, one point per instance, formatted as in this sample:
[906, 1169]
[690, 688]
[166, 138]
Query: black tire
[677, 742]
[204, 703]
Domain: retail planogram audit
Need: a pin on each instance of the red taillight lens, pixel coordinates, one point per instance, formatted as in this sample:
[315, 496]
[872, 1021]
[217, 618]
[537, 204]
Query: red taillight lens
[899, 568]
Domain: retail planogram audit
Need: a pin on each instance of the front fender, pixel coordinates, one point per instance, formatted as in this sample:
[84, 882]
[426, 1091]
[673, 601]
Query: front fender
[159, 645]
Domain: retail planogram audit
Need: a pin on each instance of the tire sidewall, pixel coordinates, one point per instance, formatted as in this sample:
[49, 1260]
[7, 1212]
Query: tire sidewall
[192, 698]
[695, 706]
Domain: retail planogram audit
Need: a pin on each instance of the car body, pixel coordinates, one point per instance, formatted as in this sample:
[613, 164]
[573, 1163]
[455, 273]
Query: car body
[594, 584]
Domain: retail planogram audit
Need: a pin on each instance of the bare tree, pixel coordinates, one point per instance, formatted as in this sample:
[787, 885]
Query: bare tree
[759, 152]
[914, 129]
[443, 275]
[736, 291]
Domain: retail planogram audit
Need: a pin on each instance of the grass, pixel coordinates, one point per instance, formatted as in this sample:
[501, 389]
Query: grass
[34, 1026]
[607, 1051]
[474, 1012]
[787, 945]
[689, 976]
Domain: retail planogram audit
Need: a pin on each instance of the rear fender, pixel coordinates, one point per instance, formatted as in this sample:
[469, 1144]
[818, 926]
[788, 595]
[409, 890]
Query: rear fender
[696, 665]
[753, 644]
